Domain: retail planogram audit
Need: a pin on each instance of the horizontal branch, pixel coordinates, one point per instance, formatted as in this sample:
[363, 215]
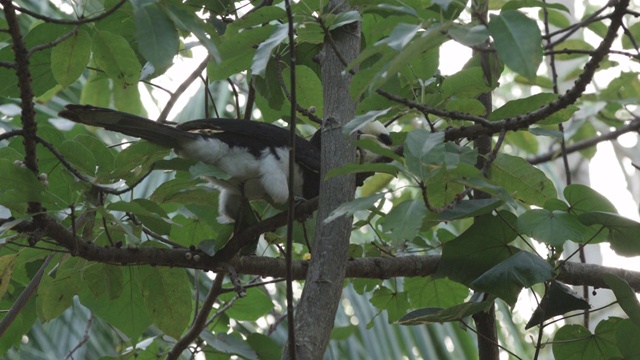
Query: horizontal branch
[372, 267]
[587, 143]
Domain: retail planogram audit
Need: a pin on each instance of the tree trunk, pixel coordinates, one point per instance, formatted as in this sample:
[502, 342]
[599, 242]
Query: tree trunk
[316, 310]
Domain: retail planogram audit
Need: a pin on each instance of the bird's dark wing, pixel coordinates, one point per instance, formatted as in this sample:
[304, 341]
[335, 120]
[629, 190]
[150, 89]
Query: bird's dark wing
[255, 136]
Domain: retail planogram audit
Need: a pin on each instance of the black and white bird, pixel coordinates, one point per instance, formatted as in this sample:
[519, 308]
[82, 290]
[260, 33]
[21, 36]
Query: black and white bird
[254, 155]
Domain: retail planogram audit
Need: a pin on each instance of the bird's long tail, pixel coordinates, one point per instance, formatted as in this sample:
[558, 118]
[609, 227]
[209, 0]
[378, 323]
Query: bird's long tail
[128, 124]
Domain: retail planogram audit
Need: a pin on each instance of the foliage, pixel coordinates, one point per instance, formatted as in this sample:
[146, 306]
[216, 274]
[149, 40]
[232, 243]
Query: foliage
[121, 234]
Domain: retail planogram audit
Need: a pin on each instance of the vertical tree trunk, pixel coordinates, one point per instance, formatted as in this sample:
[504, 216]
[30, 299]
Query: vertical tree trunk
[316, 310]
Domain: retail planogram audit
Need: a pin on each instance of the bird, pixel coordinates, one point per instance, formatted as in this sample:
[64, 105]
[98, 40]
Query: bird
[254, 155]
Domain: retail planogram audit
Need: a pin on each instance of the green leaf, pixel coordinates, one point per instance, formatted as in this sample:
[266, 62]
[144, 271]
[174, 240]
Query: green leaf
[422, 149]
[150, 213]
[114, 56]
[78, 156]
[259, 17]
[482, 246]
[360, 121]
[625, 295]
[264, 346]
[156, 35]
[470, 208]
[558, 299]
[584, 199]
[439, 315]
[404, 221]
[464, 105]
[634, 31]
[265, 49]
[104, 156]
[517, 4]
[188, 20]
[139, 155]
[469, 35]
[167, 297]
[573, 44]
[349, 208]
[237, 51]
[18, 185]
[69, 59]
[363, 168]
[522, 180]
[202, 169]
[434, 292]
[228, 344]
[395, 303]
[249, 308]
[522, 106]
[334, 21]
[466, 83]
[508, 278]
[55, 295]
[551, 227]
[22, 322]
[576, 342]
[104, 279]
[400, 36]
[308, 88]
[128, 312]
[627, 339]
[6, 269]
[622, 231]
[517, 40]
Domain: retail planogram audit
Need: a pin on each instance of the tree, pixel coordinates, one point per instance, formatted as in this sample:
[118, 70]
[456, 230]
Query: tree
[456, 220]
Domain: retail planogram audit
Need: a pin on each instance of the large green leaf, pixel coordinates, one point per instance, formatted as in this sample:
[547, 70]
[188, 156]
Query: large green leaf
[69, 59]
[627, 339]
[558, 299]
[250, 307]
[128, 312]
[481, 247]
[623, 232]
[190, 21]
[422, 149]
[167, 297]
[55, 295]
[531, 103]
[150, 213]
[432, 292]
[583, 199]
[625, 295]
[522, 180]
[577, 342]
[265, 49]
[440, 315]
[517, 40]
[404, 221]
[116, 58]
[156, 35]
[237, 51]
[395, 303]
[508, 278]
[551, 227]
[349, 208]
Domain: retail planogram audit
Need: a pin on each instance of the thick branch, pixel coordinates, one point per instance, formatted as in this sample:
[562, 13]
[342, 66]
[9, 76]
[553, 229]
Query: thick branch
[375, 267]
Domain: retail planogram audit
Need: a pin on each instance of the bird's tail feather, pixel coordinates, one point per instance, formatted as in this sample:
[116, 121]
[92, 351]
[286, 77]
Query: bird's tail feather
[128, 124]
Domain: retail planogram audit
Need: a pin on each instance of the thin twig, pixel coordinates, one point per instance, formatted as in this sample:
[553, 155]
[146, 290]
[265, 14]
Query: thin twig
[200, 322]
[182, 88]
[71, 22]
